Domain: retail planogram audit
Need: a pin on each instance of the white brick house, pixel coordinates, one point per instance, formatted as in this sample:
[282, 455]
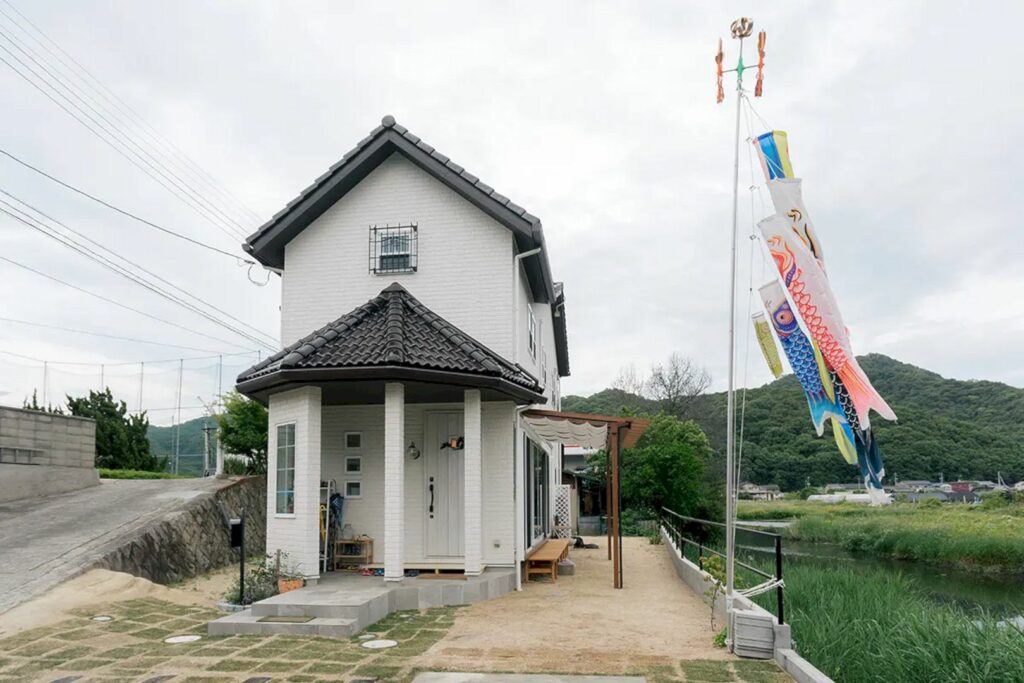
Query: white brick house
[419, 316]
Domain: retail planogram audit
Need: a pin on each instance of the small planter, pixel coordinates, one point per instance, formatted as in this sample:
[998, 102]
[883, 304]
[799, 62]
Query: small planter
[285, 585]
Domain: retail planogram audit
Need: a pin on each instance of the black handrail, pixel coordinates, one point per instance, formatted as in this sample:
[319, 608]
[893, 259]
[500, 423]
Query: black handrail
[681, 541]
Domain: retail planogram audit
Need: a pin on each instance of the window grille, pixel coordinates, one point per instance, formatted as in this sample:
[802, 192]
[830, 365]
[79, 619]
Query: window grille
[393, 249]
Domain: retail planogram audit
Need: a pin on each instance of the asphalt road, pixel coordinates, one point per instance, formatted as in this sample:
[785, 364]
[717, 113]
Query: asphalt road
[48, 540]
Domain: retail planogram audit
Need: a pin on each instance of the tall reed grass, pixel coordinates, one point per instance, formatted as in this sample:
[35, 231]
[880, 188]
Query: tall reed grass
[871, 625]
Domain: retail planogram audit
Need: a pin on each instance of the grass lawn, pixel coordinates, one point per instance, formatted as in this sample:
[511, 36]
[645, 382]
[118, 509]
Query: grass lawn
[130, 647]
[984, 537]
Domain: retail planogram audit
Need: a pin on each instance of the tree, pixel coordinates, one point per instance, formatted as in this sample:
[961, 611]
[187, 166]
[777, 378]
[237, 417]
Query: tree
[677, 384]
[629, 382]
[668, 467]
[243, 430]
[121, 442]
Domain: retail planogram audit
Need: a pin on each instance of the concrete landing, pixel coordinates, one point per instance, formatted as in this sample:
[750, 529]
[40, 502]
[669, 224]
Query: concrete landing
[342, 604]
[456, 677]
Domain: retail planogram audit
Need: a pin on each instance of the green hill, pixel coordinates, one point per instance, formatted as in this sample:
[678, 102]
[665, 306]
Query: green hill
[961, 429]
[191, 438]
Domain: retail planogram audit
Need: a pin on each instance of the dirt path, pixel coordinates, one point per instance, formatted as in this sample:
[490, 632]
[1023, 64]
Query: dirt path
[655, 620]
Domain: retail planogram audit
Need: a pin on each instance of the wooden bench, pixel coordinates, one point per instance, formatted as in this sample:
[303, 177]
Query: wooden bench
[545, 558]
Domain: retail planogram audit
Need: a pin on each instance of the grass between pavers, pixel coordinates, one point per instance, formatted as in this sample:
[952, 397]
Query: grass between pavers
[130, 648]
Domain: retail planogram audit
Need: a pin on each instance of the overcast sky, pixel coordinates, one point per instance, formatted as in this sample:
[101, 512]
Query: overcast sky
[905, 122]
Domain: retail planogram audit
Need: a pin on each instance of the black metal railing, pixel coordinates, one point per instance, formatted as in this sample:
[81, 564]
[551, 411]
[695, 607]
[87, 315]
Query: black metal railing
[704, 537]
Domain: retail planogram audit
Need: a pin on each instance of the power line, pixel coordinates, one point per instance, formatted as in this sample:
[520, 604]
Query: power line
[133, 116]
[116, 303]
[101, 334]
[120, 210]
[105, 262]
[134, 362]
[132, 151]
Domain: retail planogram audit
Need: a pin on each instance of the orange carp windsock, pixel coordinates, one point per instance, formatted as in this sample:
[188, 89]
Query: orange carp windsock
[812, 295]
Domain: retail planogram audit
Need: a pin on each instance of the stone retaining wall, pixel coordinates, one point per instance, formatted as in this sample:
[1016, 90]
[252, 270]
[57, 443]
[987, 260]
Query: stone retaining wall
[195, 539]
[42, 454]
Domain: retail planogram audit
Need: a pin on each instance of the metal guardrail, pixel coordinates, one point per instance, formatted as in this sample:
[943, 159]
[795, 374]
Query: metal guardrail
[691, 532]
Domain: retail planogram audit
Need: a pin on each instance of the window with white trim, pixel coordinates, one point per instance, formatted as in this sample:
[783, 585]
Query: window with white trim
[353, 489]
[531, 329]
[285, 490]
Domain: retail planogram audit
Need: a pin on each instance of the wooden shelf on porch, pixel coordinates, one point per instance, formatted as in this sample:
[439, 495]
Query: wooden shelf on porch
[344, 555]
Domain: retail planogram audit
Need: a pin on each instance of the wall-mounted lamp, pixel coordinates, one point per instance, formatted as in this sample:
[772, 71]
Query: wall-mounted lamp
[412, 451]
[456, 443]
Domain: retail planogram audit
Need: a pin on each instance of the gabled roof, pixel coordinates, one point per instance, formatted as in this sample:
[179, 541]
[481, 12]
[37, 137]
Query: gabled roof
[392, 336]
[267, 244]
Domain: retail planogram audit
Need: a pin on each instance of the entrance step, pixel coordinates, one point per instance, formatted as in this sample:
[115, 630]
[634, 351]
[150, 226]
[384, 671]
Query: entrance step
[246, 623]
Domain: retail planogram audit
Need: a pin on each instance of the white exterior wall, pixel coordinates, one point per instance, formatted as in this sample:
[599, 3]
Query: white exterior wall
[366, 514]
[464, 258]
[296, 534]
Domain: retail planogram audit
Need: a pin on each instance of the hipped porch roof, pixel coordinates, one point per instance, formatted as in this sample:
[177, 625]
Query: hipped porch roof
[582, 429]
[391, 338]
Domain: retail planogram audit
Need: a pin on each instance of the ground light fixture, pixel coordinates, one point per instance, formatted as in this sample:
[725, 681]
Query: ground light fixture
[102, 617]
[178, 640]
[381, 644]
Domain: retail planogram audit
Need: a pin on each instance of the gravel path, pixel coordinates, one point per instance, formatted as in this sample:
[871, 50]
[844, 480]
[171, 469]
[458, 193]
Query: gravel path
[49, 540]
[580, 624]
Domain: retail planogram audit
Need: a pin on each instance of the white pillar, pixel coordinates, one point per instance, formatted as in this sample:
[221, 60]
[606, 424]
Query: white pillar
[394, 480]
[297, 533]
[473, 483]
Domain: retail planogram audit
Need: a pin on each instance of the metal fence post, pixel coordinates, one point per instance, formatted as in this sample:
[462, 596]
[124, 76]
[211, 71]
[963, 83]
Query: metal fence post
[778, 577]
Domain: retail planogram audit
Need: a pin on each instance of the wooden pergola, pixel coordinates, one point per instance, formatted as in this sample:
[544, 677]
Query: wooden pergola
[596, 431]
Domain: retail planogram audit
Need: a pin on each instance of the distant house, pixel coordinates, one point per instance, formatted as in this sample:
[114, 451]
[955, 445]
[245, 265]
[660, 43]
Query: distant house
[914, 485]
[750, 491]
[962, 497]
[918, 496]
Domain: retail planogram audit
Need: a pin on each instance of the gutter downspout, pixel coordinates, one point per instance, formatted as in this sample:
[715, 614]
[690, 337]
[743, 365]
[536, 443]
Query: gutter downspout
[517, 446]
[517, 265]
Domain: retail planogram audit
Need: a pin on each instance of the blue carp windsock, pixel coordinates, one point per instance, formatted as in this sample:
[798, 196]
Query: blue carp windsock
[801, 356]
[815, 303]
[766, 341]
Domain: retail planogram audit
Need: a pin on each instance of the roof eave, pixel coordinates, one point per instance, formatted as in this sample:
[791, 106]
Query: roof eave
[257, 386]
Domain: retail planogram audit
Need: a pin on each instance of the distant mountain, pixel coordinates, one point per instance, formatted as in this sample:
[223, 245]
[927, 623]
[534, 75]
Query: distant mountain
[191, 440]
[961, 429]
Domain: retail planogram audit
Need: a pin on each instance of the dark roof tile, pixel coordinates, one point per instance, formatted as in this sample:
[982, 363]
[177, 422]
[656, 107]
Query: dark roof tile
[393, 329]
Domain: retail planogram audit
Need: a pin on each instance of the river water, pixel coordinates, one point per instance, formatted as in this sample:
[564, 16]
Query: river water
[1001, 595]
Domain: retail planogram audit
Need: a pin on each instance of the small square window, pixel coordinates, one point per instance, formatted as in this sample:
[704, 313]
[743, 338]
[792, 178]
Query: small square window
[353, 464]
[353, 489]
[353, 439]
[393, 249]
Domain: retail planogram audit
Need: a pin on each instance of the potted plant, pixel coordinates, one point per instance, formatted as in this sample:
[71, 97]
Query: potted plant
[287, 578]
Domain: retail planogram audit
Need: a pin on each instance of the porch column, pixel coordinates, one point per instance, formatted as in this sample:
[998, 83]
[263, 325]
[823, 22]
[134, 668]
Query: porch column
[473, 483]
[394, 480]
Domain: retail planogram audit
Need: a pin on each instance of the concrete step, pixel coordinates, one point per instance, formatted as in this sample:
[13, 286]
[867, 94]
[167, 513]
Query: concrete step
[365, 609]
[246, 623]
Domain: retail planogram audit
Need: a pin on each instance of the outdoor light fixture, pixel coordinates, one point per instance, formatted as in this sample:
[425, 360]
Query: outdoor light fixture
[412, 451]
[456, 443]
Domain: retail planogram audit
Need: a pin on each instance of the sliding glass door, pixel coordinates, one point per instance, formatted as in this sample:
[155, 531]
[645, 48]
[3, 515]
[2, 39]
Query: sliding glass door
[537, 482]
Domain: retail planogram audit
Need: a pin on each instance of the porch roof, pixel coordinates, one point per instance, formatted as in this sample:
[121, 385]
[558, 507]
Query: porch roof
[392, 337]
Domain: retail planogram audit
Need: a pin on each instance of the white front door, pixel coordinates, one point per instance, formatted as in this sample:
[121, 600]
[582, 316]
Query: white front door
[444, 484]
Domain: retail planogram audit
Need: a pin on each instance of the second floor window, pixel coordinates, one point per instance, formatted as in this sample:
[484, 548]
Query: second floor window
[531, 328]
[393, 249]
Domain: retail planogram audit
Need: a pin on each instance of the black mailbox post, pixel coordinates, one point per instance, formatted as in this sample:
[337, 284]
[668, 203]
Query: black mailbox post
[237, 529]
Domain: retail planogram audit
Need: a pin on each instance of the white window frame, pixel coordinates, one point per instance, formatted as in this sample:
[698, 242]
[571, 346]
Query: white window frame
[531, 328]
[358, 459]
[278, 470]
[359, 483]
[354, 448]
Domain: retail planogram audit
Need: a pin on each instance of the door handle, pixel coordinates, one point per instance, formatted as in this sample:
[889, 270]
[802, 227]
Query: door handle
[431, 499]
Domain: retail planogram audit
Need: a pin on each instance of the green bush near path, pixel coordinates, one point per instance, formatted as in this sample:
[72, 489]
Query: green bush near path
[863, 624]
[989, 537]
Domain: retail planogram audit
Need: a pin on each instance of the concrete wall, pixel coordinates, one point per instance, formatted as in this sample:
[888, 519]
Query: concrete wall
[43, 454]
[195, 539]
